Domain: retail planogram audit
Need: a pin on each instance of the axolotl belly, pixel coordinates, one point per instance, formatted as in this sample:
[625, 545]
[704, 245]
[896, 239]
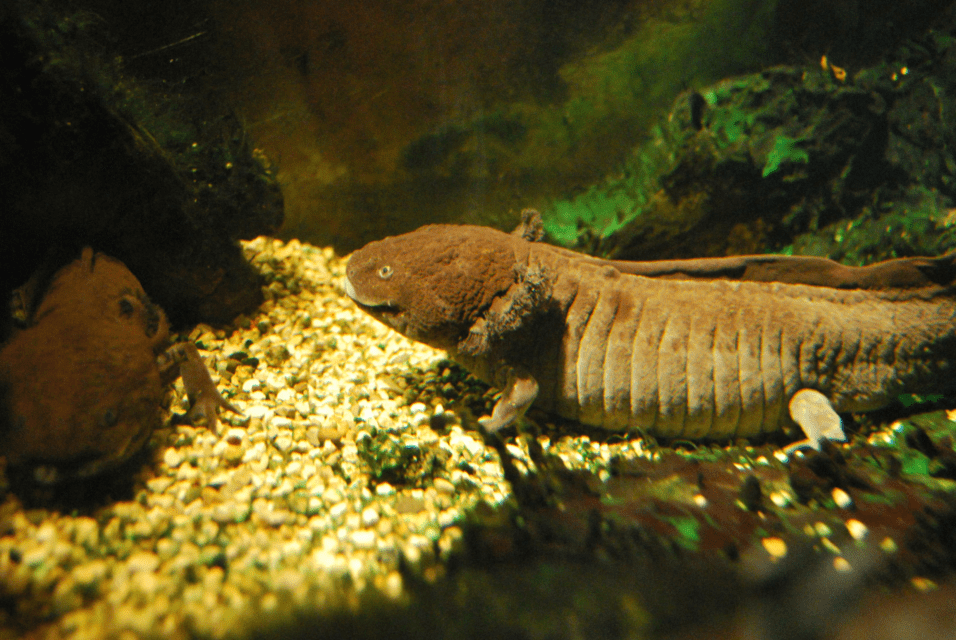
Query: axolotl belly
[710, 348]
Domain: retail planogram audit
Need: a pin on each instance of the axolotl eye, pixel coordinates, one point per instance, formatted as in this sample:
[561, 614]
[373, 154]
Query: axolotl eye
[385, 272]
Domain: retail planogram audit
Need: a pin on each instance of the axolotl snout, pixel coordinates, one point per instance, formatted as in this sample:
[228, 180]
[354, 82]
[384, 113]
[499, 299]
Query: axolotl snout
[83, 382]
[705, 348]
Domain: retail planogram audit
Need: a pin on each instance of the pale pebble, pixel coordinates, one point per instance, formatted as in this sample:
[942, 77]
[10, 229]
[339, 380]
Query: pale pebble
[370, 517]
[363, 539]
[172, 458]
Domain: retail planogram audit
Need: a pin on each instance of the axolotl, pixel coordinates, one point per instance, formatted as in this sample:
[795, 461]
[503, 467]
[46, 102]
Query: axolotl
[692, 349]
[82, 383]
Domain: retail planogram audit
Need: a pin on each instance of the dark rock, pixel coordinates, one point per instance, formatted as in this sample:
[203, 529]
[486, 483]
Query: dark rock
[88, 158]
[855, 165]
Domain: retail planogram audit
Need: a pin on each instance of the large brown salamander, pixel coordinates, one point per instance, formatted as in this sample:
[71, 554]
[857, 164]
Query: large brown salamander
[82, 384]
[705, 348]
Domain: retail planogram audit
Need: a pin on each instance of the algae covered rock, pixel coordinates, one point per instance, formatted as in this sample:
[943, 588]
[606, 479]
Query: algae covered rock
[815, 160]
[88, 157]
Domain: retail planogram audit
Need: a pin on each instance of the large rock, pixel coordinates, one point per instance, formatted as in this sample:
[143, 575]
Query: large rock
[87, 158]
[855, 164]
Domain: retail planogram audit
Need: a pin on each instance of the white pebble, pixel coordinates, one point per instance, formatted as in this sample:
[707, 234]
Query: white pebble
[255, 452]
[143, 561]
[172, 458]
[257, 411]
[841, 498]
[444, 486]
[363, 539]
[393, 585]
[857, 529]
[337, 510]
[276, 382]
[280, 422]
[251, 385]
[384, 489]
[370, 517]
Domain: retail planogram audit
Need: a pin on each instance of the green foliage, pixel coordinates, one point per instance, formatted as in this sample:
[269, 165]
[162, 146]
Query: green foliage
[785, 149]
[634, 83]
[598, 210]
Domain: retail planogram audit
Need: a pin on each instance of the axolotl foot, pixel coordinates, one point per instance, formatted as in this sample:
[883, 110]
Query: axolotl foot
[817, 418]
[204, 398]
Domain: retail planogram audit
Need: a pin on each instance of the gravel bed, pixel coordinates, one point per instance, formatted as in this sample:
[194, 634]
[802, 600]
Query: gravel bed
[349, 455]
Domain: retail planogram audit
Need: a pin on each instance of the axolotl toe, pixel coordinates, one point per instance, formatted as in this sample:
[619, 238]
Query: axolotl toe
[83, 382]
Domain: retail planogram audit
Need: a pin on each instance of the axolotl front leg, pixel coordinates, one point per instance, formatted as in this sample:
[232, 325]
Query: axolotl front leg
[183, 359]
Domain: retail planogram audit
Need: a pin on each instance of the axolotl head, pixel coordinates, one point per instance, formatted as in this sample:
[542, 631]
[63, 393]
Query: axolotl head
[432, 284]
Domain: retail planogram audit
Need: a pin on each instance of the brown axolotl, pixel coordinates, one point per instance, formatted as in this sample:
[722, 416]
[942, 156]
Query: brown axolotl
[82, 382]
[705, 348]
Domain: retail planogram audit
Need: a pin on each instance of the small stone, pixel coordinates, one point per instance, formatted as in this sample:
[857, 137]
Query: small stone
[841, 498]
[857, 529]
[86, 532]
[143, 561]
[251, 385]
[276, 518]
[283, 443]
[840, 564]
[363, 539]
[776, 547]
[393, 585]
[370, 517]
[258, 411]
[89, 574]
[409, 504]
[384, 489]
[228, 512]
[338, 510]
[233, 455]
[172, 458]
[444, 486]
[218, 480]
[160, 484]
[279, 422]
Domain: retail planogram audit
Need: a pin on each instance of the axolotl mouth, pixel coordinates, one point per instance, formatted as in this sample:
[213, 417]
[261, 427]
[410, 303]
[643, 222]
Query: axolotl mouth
[385, 312]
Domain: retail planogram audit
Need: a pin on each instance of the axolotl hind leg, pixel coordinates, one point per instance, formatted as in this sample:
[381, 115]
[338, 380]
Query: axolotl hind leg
[819, 421]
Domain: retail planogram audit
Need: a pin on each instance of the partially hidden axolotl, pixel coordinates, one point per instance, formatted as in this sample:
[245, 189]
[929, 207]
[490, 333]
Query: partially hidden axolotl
[701, 348]
[83, 381]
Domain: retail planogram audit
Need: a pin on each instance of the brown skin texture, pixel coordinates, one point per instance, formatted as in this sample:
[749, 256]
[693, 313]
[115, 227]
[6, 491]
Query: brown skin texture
[443, 278]
[521, 313]
[437, 284]
[82, 384]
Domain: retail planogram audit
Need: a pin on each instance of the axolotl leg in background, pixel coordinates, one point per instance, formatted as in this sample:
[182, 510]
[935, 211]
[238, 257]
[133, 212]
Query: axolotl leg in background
[817, 419]
[518, 395]
[204, 399]
[809, 408]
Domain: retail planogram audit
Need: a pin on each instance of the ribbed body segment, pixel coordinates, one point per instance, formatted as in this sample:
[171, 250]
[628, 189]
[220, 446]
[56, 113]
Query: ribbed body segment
[721, 358]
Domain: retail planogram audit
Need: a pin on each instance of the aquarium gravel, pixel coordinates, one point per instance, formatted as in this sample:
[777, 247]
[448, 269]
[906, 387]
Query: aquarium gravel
[349, 458]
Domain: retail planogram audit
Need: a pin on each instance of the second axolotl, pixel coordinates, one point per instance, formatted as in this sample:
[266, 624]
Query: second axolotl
[705, 348]
[81, 384]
